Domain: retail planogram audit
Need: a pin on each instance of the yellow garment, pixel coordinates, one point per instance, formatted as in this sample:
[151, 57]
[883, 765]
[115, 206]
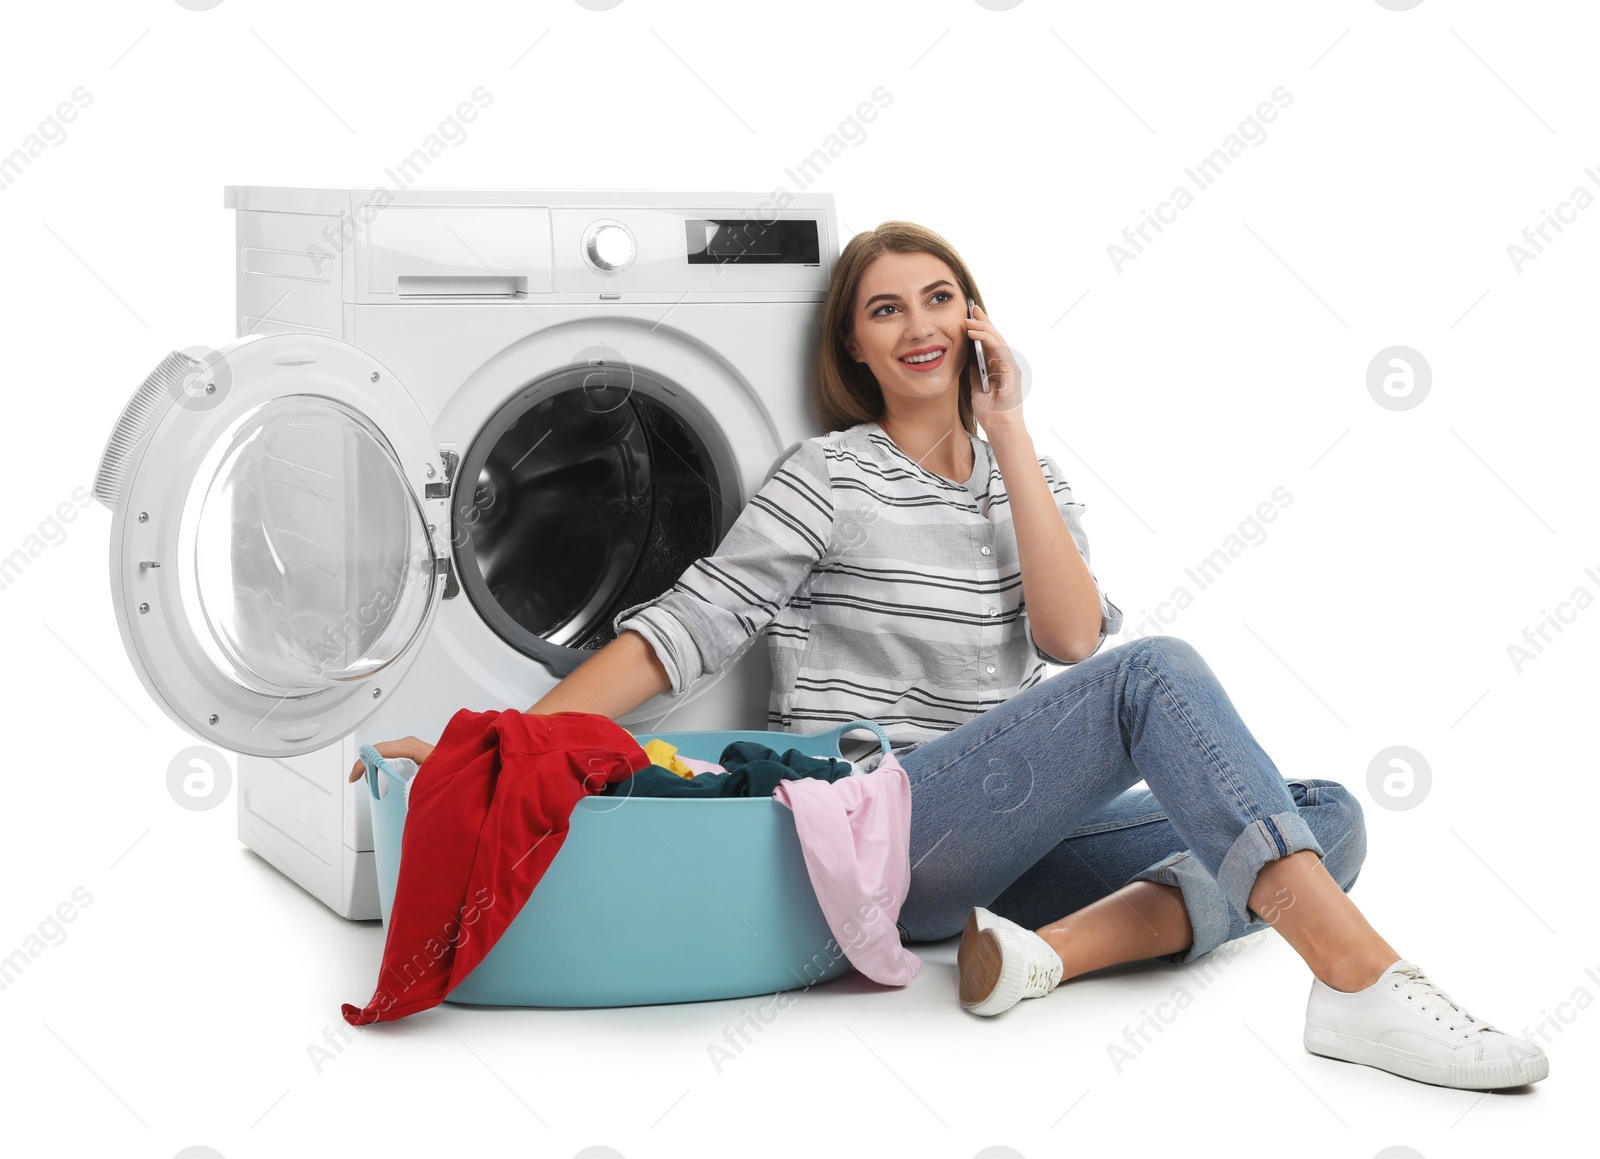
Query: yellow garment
[666, 755]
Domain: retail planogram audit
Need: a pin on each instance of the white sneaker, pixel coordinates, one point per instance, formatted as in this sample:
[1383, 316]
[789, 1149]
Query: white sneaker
[1000, 963]
[1406, 1024]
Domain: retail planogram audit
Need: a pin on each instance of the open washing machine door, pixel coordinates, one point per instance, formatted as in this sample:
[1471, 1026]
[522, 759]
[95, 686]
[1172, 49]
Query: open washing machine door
[279, 539]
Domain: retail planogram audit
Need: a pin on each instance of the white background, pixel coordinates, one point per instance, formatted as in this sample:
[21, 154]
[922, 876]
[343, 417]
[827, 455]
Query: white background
[1226, 360]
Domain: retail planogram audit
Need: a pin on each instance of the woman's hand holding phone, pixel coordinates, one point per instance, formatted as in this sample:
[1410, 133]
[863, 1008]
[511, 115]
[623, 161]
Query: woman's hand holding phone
[996, 394]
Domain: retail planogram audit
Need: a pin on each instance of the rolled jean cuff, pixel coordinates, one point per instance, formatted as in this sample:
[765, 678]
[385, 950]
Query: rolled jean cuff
[1262, 841]
[1202, 897]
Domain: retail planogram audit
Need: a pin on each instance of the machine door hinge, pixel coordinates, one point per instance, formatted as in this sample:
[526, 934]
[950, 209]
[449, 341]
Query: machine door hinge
[441, 566]
[442, 490]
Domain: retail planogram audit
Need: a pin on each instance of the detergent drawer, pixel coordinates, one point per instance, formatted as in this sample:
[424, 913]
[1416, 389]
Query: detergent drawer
[473, 252]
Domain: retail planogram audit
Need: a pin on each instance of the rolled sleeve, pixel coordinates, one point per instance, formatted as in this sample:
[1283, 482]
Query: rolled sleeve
[723, 600]
[1072, 512]
[665, 633]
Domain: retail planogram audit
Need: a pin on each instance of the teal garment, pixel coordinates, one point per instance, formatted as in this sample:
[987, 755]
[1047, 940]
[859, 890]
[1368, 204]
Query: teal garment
[752, 770]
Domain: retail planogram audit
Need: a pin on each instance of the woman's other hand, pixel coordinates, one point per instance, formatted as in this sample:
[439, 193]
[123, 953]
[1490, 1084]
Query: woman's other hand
[410, 748]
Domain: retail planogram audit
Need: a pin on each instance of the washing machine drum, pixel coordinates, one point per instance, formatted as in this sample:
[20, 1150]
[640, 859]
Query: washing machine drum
[588, 492]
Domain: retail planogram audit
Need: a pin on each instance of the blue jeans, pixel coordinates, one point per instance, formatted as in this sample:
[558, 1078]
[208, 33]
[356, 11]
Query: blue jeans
[1027, 810]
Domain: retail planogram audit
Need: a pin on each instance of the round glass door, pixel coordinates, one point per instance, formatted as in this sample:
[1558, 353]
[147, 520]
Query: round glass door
[589, 491]
[312, 565]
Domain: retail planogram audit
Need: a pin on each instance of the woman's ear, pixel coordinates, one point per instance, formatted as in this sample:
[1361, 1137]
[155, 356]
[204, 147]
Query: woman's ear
[850, 346]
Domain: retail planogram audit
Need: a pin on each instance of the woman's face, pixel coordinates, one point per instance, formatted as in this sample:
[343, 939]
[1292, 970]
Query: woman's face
[910, 306]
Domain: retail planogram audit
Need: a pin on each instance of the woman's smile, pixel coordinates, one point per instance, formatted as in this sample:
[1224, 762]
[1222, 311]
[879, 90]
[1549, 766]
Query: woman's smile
[924, 358]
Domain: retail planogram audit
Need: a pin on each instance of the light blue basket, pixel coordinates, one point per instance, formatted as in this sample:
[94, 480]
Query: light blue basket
[651, 899]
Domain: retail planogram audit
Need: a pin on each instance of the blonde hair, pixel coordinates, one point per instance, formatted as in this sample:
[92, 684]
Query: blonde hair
[847, 390]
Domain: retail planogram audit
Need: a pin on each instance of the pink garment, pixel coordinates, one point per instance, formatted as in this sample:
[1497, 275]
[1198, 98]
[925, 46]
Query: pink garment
[855, 834]
[701, 766]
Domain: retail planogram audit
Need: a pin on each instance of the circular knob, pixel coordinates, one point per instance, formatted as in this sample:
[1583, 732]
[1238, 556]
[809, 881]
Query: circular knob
[610, 246]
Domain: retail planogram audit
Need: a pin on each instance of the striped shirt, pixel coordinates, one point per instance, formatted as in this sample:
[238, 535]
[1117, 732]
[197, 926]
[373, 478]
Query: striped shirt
[885, 591]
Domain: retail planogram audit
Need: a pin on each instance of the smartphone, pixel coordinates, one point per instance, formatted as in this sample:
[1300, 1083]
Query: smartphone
[983, 362]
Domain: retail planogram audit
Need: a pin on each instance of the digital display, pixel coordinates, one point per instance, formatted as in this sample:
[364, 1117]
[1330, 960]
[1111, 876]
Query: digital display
[723, 242]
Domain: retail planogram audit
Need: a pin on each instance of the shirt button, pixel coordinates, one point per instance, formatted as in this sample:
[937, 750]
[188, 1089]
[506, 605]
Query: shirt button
[985, 550]
[992, 611]
[991, 668]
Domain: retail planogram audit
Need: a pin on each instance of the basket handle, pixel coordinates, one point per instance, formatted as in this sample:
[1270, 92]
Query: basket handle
[861, 722]
[374, 762]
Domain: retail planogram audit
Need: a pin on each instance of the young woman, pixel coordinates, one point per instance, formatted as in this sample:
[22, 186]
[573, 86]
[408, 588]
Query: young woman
[909, 571]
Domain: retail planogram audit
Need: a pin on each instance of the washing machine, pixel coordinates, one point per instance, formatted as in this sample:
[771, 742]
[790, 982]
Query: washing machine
[457, 433]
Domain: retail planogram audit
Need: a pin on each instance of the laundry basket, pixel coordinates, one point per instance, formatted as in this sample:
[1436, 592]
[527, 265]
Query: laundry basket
[652, 899]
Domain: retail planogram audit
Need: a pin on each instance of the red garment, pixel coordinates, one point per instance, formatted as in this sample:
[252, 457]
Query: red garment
[487, 814]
